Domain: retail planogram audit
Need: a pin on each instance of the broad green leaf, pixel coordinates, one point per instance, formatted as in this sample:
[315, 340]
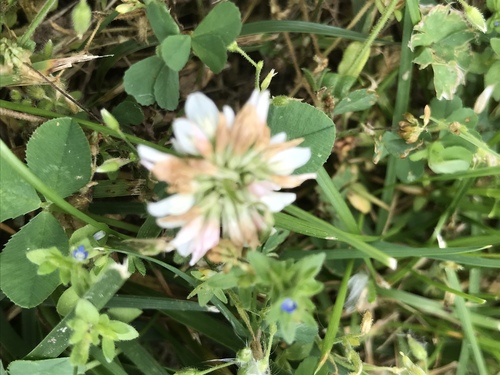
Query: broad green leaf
[301, 120]
[20, 281]
[175, 51]
[358, 100]
[139, 80]
[224, 20]
[447, 78]
[59, 154]
[166, 88]
[128, 112]
[211, 50]
[444, 38]
[56, 366]
[408, 170]
[450, 159]
[160, 19]
[17, 197]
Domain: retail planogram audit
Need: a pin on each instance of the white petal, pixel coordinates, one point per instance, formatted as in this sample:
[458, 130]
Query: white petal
[278, 138]
[229, 115]
[176, 204]
[170, 224]
[277, 201]
[260, 99]
[149, 156]
[187, 135]
[285, 162]
[202, 111]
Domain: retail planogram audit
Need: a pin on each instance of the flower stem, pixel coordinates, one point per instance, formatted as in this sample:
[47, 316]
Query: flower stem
[371, 38]
[36, 22]
[7, 156]
[334, 323]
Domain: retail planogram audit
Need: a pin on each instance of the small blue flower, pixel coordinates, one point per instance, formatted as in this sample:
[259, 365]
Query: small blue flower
[497, 23]
[288, 305]
[80, 254]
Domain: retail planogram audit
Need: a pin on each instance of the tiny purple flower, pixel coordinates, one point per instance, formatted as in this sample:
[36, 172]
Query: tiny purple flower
[288, 305]
[80, 254]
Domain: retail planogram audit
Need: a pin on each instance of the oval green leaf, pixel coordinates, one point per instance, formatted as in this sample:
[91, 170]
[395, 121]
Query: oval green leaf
[140, 78]
[160, 19]
[166, 88]
[301, 120]
[175, 51]
[59, 154]
[17, 196]
[20, 281]
[224, 21]
[211, 50]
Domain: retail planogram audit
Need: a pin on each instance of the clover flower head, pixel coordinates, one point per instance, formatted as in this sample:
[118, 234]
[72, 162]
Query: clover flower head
[288, 305]
[80, 254]
[225, 181]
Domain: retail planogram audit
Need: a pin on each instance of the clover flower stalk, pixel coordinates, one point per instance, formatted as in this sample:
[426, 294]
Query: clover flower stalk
[225, 181]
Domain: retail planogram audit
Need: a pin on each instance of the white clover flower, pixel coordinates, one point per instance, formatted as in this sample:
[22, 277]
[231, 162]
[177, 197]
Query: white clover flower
[225, 182]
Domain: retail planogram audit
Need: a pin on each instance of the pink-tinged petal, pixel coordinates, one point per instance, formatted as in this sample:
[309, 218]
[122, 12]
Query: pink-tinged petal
[276, 201]
[229, 115]
[285, 162]
[149, 156]
[288, 182]
[202, 111]
[260, 100]
[262, 188]
[207, 239]
[278, 138]
[176, 204]
[183, 241]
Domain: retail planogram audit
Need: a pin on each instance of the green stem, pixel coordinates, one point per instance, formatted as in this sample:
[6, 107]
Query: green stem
[36, 22]
[333, 325]
[7, 156]
[338, 203]
[400, 107]
[85, 123]
[388, 11]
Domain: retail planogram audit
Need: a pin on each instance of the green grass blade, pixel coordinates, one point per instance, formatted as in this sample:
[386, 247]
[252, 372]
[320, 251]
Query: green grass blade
[467, 326]
[336, 200]
[291, 26]
[334, 323]
[402, 100]
[144, 361]
[155, 303]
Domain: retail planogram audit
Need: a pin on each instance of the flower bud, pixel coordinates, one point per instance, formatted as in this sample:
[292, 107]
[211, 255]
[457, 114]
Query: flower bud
[267, 81]
[483, 99]
[81, 17]
[475, 17]
[109, 120]
[111, 165]
[417, 348]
